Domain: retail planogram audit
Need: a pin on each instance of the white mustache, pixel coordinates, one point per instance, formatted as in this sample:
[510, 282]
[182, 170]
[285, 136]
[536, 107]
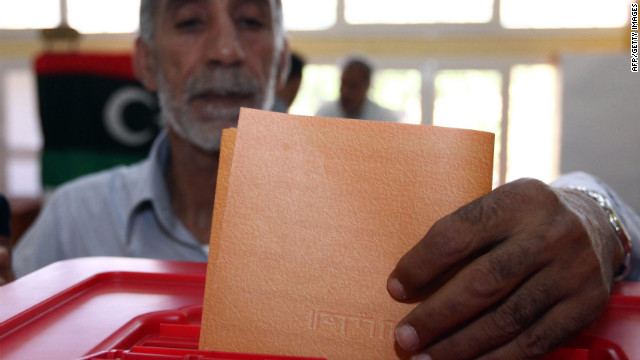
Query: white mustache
[221, 81]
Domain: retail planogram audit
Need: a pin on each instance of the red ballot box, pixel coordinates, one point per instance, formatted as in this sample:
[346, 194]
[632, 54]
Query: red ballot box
[140, 309]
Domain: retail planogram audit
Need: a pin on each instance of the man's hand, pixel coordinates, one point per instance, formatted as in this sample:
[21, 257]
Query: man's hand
[509, 276]
[6, 272]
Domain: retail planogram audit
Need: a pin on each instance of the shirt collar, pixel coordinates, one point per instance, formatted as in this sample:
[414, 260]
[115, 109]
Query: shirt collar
[151, 189]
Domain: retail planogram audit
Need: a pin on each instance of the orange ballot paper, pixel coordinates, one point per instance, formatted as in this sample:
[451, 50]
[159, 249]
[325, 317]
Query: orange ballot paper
[312, 214]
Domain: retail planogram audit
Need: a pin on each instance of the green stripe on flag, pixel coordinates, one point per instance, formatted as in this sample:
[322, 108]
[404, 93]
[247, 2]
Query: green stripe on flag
[59, 166]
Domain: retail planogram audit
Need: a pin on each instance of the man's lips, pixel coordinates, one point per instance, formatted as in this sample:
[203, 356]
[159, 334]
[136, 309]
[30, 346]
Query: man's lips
[222, 98]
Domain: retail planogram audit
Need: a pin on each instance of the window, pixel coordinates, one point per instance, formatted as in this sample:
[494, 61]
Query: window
[121, 16]
[21, 15]
[475, 99]
[543, 14]
[532, 140]
[22, 138]
[399, 90]
[422, 11]
[23, 132]
[320, 83]
[471, 99]
[102, 16]
[309, 14]
[395, 89]
[23, 177]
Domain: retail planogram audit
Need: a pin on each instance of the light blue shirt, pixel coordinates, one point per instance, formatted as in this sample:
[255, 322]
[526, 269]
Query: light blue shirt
[125, 211]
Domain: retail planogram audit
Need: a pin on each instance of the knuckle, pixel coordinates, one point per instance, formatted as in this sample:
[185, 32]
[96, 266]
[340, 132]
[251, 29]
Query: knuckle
[471, 213]
[502, 269]
[413, 269]
[517, 313]
[447, 242]
[515, 318]
[531, 184]
[516, 258]
[535, 345]
[486, 282]
[542, 340]
[508, 321]
[522, 196]
[528, 191]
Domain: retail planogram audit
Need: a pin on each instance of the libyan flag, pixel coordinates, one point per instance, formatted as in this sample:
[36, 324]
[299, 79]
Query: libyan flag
[94, 114]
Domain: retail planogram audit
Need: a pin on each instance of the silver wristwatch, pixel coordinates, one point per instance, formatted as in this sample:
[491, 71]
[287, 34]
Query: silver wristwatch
[618, 227]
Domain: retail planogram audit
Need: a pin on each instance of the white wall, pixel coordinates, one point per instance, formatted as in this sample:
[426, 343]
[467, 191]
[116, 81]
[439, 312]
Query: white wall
[601, 121]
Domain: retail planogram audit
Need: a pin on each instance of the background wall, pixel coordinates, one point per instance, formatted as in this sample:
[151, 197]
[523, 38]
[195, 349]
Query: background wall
[601, 120]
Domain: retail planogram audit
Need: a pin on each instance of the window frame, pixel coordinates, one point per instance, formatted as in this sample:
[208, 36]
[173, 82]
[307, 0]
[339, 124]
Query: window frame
[502, 66]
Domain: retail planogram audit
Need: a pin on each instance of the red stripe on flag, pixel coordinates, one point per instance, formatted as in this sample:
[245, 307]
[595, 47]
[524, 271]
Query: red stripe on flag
[97, 64]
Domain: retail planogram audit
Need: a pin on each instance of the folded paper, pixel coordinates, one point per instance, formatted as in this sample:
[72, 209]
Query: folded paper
[312, 214]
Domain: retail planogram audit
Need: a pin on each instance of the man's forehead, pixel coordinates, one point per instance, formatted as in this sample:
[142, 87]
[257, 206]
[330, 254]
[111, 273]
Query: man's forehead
[172, 5]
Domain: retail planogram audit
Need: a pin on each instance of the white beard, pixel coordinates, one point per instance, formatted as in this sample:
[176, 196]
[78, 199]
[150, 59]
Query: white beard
[204, 130]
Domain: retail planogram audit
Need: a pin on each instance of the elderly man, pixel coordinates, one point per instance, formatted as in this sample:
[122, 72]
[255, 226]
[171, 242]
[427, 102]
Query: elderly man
[205, 59]
[533, 264]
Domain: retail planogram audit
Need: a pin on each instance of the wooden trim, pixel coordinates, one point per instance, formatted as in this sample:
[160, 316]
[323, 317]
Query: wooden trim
[515, 43]
[543, 45]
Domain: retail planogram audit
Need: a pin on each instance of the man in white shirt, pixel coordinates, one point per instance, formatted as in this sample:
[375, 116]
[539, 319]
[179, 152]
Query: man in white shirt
[353, 102]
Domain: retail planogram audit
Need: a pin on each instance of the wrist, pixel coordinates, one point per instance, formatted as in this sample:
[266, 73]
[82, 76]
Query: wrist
[616, 225]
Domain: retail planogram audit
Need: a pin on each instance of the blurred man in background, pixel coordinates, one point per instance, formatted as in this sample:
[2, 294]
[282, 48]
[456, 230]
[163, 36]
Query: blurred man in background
[353, 102]
[286, 95]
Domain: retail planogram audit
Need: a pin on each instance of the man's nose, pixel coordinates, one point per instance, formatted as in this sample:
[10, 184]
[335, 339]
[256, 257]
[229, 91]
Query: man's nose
[223, 43]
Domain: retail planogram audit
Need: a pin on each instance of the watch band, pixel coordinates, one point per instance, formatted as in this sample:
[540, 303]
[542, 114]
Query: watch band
[615, 222]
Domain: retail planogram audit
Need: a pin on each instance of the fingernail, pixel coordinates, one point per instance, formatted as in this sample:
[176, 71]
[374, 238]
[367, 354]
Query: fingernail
[421, 357]
[407, 337]
[396, 289]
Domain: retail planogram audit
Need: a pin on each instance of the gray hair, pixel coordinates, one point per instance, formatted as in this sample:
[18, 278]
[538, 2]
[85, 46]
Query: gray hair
[148, 9]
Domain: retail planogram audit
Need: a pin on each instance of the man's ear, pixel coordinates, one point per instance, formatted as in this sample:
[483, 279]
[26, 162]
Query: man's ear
[144, 65]
[284, 65]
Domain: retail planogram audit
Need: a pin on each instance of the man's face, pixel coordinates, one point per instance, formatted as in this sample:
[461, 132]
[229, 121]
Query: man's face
[353, 90]
[211, 57]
